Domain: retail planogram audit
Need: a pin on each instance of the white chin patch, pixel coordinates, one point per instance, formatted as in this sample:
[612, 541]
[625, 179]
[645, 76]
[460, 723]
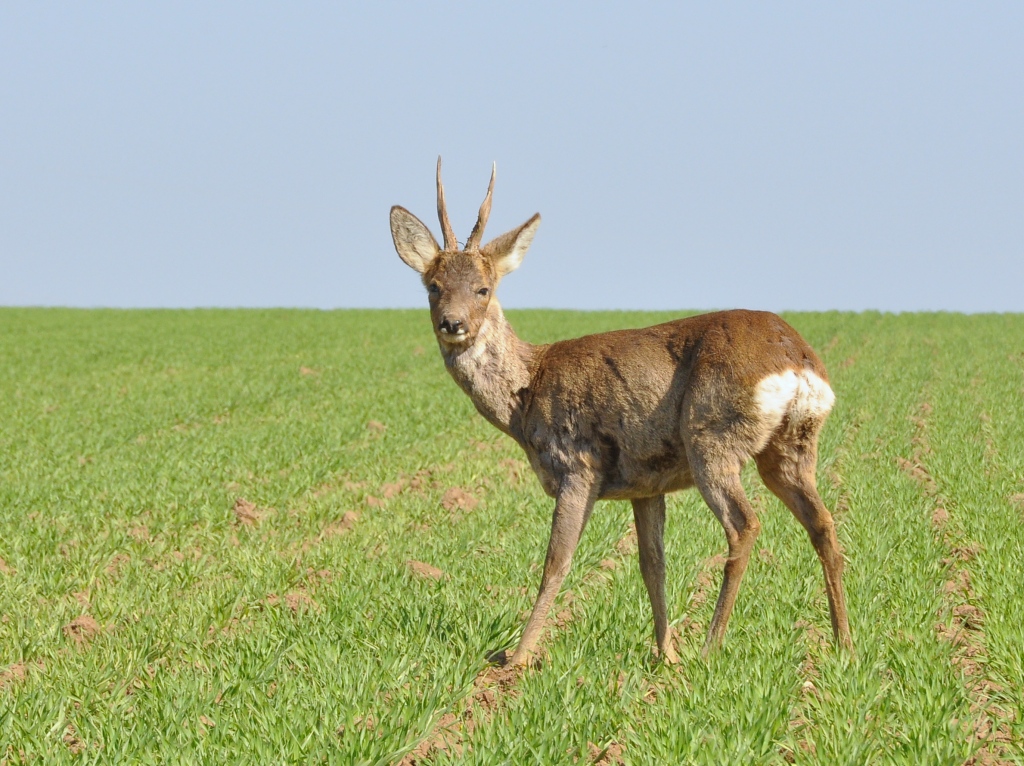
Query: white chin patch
[800, 394]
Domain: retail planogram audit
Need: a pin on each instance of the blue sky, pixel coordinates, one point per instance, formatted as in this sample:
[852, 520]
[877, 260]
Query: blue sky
[781, 156]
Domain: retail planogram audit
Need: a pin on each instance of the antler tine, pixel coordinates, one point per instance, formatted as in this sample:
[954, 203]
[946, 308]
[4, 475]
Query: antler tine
[485, 212]
[450, 242]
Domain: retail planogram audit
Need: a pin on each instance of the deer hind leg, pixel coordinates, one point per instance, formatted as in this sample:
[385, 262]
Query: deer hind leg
[572, 510]
[649, 515]
[787, 467]
[718, 480]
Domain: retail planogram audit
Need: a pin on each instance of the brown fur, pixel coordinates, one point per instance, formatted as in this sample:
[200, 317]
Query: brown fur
[632, 414]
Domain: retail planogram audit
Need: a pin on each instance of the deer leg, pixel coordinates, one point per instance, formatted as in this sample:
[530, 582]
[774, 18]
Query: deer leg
[788, 471]
[572, 510]
[649, 515]
[719, 484]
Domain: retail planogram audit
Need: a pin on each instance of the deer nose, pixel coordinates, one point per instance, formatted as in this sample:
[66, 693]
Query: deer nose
[451, 326]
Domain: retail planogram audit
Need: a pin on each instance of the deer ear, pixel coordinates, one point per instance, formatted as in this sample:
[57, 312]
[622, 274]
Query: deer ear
[413, 240]
[506, 252]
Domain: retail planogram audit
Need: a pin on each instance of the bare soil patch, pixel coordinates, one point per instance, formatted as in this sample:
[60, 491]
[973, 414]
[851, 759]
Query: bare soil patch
[295, 600]
[119, 560]
[247, 514]
[13, 674]
[443, 738]
[82, 629]
[607, 756]
[298, 599]
[627, 546]
[424, 570]
[74, 743]
[6, 569]
[458, 499]
[341, 526]
[393, 488]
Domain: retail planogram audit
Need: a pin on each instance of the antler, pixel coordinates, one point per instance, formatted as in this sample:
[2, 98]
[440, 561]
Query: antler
[485, 213]
[450, 242]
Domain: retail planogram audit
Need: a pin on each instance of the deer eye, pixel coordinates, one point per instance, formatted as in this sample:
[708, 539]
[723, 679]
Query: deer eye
[483, 292]
[434, 289]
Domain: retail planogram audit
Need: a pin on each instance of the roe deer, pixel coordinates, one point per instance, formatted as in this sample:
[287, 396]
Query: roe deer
[634, 414]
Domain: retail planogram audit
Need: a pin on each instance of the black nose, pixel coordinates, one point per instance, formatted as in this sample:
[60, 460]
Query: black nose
[451, 326]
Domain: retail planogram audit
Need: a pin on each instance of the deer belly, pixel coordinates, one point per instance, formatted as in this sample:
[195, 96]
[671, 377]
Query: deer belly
[635, 471]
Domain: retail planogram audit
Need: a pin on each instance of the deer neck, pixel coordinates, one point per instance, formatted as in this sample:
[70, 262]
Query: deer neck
[494, 369]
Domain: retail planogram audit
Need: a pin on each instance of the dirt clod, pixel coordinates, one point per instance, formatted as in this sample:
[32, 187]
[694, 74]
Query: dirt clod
[82, 629]
[296, 600]
[116, 563]
[72, 741]
[967, 552]
[919, 473]
[960, 585]
[376, 427]
[442, 738]
[341, 526]
[390, 490]
[422, 569]
[607, 756]
[6, 569]
[970, 616]
[627, 544]
[13, 674]
[246, 513]
[458, 499]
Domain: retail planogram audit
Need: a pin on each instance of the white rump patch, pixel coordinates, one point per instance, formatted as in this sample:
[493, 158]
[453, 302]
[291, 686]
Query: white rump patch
[800, 394]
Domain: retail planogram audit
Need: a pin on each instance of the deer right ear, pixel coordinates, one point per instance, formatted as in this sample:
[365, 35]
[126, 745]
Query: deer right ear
[413, 240]
[506, 252]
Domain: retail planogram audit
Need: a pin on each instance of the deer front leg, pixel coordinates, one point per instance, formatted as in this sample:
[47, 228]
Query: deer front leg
[572, 510]
[649, 515]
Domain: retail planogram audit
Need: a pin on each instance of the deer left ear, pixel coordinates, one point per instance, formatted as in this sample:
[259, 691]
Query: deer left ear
[413, 240]
[506, 252]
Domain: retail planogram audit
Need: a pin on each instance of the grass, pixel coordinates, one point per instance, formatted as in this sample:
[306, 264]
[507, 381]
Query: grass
[234, 497]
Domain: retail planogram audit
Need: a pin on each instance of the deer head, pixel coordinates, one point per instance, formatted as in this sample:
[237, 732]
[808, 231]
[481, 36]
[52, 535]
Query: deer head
[460, 282]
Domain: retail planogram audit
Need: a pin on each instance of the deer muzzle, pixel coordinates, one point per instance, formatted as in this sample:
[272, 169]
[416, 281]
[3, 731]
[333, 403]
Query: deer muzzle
[452, 328]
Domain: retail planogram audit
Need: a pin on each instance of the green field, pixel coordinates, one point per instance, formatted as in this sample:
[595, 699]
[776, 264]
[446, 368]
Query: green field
[286, 536]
